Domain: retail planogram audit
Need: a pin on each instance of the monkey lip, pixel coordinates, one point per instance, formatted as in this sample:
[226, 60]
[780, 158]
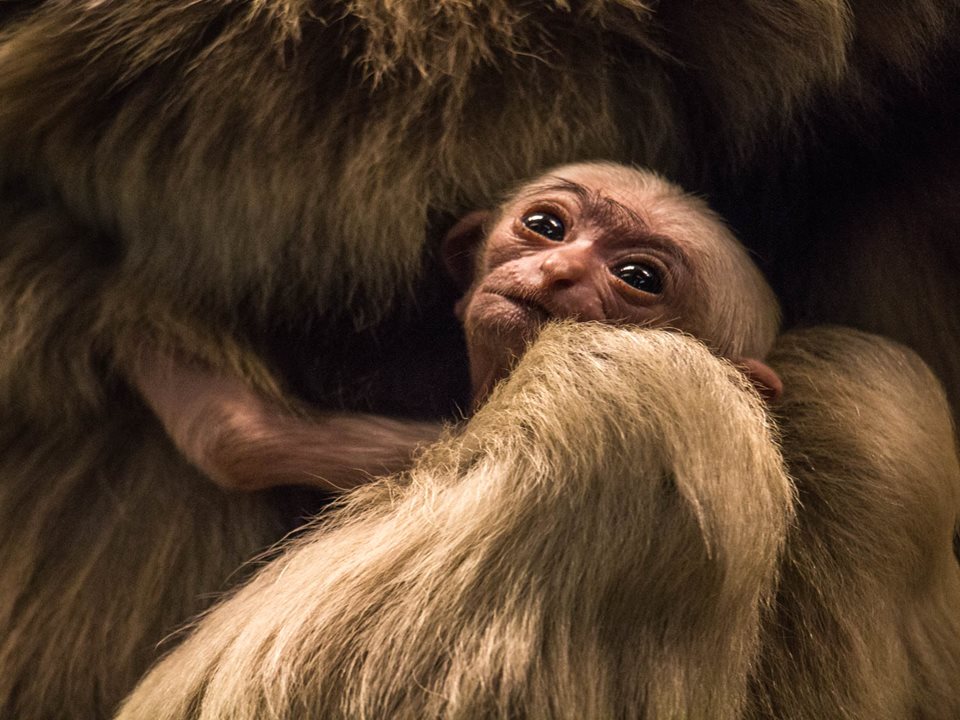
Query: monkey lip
[531, 309]
[506, 316]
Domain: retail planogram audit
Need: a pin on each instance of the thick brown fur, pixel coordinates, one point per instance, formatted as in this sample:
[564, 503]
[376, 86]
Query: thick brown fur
[106, 541]
[205, 175]
[549, 563]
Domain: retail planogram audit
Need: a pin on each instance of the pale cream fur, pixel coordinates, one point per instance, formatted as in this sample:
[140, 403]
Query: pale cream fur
[595, 544]
[613, 535]
[580, 549]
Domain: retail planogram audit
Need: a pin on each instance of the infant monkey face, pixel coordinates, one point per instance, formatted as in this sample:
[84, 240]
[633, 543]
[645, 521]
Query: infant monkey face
[613, 244]
[574, 245]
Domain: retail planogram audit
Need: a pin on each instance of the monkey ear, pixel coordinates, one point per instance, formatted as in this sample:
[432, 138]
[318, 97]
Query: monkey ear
[460, 246]
[763, 377]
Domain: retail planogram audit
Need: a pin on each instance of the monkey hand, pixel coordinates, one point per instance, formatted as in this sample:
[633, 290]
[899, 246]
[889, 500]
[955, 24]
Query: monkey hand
[243, 440]
[253, 448]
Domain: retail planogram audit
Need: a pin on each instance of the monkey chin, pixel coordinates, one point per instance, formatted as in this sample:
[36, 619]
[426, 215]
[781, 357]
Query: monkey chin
[499, 329]
[502, 326]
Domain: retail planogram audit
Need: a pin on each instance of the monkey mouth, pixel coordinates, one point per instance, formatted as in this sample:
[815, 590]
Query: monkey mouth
[511, 318]
[530, 308]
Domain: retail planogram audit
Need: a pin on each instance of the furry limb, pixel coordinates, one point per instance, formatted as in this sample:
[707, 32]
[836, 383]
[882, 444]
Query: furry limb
[578, 550]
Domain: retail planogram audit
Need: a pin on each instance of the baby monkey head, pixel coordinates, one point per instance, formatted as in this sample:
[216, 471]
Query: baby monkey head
[606, 243]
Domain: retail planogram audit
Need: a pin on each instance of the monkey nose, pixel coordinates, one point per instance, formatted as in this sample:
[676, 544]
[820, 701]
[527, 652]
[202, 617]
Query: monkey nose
[562, 267]
[566, 286]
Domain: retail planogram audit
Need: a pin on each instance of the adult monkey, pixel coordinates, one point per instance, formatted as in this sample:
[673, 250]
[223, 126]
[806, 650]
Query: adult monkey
[208, 175]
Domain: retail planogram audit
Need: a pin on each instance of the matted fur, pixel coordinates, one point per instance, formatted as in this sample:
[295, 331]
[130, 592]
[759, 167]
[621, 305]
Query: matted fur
[593, 544]
[164, 164]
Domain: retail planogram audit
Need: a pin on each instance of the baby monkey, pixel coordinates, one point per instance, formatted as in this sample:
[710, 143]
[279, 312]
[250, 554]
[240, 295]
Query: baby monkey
[613, 244]
[593, 242]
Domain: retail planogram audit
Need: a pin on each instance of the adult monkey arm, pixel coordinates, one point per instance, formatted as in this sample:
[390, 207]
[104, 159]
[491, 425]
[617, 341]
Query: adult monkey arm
[595, 620]
[579, 550]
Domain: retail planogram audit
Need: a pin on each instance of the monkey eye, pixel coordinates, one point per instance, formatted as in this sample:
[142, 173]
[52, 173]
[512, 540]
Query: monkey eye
[545, 224]
[640, 277]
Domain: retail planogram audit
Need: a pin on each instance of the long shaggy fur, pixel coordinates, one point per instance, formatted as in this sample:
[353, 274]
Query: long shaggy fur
[109, 539]
[867, 622]
[593, 544]
[536, 567]
[244, 144]
[198, 174]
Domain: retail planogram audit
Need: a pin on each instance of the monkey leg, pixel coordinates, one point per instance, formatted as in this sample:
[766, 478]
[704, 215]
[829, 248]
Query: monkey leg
[598, 541]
